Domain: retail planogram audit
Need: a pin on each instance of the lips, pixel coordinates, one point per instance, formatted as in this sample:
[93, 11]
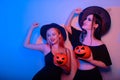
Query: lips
[59, 62]
[52, 40]
[80, 55]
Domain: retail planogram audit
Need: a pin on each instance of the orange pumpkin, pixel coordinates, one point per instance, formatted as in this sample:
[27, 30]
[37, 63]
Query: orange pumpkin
[60, 58]
[82, 51]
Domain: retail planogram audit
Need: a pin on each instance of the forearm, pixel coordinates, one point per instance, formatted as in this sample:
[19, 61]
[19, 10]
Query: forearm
[98, 63]
[67, 66]
[68, 22]
[66, 69]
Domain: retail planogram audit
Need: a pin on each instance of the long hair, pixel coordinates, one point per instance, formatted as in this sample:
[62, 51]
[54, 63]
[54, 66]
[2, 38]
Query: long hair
[98, 31]
[61, 39]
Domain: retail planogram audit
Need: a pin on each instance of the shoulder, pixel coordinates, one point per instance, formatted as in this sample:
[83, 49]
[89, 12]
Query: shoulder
[45, 48]
[67, 50]
[98, 43]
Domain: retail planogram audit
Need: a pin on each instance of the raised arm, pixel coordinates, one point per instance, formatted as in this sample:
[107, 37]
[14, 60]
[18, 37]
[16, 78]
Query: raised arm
[69, 20]
[27, 43]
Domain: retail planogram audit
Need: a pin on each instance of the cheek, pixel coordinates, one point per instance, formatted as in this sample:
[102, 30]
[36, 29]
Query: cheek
[57, 37]
[87, 26]
[48, 39]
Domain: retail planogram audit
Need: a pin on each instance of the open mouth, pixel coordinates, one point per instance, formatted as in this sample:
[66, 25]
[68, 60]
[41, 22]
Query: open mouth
[80, 55]
[59, 62]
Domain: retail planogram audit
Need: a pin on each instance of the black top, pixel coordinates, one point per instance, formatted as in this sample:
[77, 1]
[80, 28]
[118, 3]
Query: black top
[49, 62]
[49, 71]
[99, 52]
[49, 59]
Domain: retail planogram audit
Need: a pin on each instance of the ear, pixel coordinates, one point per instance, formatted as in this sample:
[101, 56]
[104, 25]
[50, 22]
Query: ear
[95, 26]
[60, 35]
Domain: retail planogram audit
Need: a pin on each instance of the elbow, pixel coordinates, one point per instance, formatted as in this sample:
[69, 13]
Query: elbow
[67, 71]
[105, 66]
[25, 45]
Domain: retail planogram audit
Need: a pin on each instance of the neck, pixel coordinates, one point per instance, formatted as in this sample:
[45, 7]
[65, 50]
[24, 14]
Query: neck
[89, 34]
[55, 46]
[89, 37]
[57, 49]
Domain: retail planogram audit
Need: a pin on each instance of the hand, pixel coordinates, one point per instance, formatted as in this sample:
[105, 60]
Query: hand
[78, 10]
[90, 58]
[35, 25]
[87, 59]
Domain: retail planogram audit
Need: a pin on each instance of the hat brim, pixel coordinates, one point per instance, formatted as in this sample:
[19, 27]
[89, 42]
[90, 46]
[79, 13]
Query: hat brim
[99, 11]
[44, 29]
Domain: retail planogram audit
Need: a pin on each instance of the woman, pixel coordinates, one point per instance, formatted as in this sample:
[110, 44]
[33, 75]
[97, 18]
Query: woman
[55, 36]
[94, 22]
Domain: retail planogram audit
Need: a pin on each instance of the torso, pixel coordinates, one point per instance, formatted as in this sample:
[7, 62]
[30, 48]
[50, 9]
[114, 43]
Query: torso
[85, 65]
[97, 48]
[47, 49]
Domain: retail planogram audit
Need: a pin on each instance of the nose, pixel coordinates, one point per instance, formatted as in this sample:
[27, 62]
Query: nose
[85, 21]
[51, 38]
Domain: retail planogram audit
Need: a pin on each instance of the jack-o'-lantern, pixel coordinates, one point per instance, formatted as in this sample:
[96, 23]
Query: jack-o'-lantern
[82, 51]
[60, 58]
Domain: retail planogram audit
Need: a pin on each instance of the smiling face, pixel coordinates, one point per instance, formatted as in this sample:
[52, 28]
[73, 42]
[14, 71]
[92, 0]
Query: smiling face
[53, 36]
[60, 58]
[82, 51]
[89, 23]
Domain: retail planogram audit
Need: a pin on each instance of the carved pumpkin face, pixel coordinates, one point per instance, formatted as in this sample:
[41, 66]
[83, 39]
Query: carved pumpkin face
[60, 59]
[82, 51]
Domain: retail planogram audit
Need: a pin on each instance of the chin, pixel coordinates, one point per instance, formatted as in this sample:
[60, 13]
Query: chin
[52, 43]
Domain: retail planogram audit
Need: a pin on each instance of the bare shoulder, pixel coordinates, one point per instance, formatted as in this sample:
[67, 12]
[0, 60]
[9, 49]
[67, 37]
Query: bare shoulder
[46, 49]
[67, 50]
[99, 42]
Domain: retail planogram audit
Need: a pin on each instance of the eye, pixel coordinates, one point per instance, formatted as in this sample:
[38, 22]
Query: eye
[89, 19]
[83, 48]
[77, 47]
[48, 35]
[57, 57]
[53, 34]
[63, 58]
